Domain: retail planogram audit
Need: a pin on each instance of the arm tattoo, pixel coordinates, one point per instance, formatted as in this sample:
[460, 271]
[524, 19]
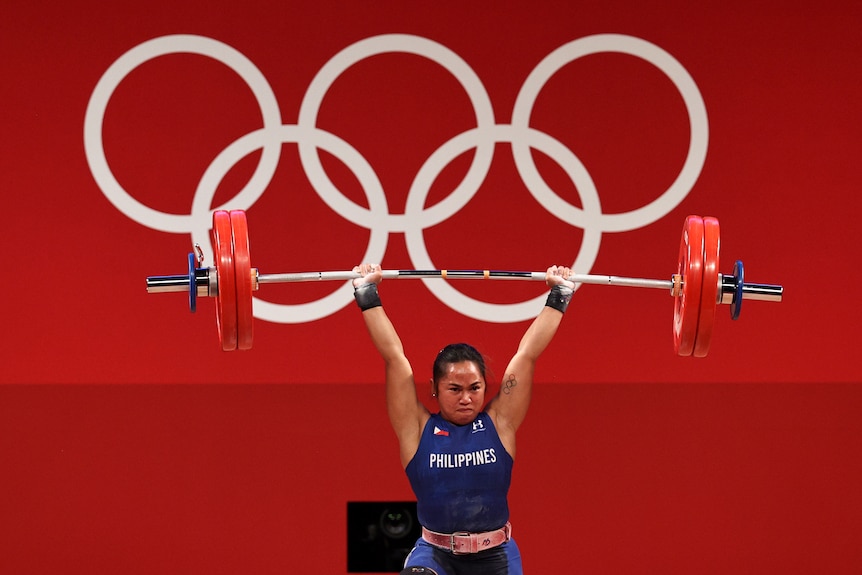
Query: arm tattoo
[509, 384]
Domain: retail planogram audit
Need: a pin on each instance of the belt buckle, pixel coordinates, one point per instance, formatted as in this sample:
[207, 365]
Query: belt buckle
[452, 542]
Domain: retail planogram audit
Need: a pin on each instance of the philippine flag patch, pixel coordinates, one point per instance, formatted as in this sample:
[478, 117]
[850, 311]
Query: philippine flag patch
[438, 431]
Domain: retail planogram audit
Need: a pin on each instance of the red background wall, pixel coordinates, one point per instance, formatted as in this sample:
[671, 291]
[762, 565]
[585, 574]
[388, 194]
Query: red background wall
[635, 460]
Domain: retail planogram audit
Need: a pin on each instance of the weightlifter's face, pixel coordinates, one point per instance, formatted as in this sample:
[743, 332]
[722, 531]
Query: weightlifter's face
[461, 392]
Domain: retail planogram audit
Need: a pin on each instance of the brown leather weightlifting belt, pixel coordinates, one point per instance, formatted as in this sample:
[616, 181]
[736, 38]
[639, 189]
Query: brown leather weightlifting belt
[463, 543]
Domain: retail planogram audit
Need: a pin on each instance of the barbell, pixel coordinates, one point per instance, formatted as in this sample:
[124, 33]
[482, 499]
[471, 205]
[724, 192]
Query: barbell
[697, 286]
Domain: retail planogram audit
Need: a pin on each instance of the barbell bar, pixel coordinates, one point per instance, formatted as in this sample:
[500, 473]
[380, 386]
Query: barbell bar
[697, 286]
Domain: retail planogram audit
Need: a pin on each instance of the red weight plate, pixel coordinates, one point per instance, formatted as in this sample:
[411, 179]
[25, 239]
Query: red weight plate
[226, 300]
[244, 287]
[711, 286]
[687, 304]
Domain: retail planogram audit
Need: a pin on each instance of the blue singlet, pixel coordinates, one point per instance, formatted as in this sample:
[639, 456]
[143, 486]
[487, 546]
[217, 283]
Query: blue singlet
[461, 476]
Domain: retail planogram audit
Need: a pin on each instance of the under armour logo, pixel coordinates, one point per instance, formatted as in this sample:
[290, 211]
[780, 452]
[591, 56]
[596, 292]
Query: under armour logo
[486, 542]
[478, 426]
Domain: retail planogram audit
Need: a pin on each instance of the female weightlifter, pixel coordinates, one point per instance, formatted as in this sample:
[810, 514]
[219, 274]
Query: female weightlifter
[459, 460]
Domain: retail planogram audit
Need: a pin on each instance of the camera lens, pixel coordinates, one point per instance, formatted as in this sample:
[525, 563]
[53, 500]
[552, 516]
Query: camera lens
[396, 522]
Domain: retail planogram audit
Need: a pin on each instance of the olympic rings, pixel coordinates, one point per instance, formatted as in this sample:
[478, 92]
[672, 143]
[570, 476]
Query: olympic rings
[416, 217]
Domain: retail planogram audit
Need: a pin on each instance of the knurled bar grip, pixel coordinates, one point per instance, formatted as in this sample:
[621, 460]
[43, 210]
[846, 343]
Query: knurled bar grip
[459, 274]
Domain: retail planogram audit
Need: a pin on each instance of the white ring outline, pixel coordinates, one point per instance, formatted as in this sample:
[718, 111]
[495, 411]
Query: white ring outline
[419, 46]
[107, 84]
[684, 83]
[304, 312]
[504, 313]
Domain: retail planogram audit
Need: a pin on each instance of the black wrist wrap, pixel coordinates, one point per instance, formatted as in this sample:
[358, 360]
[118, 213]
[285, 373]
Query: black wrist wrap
[559, 297]
[367, 297]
